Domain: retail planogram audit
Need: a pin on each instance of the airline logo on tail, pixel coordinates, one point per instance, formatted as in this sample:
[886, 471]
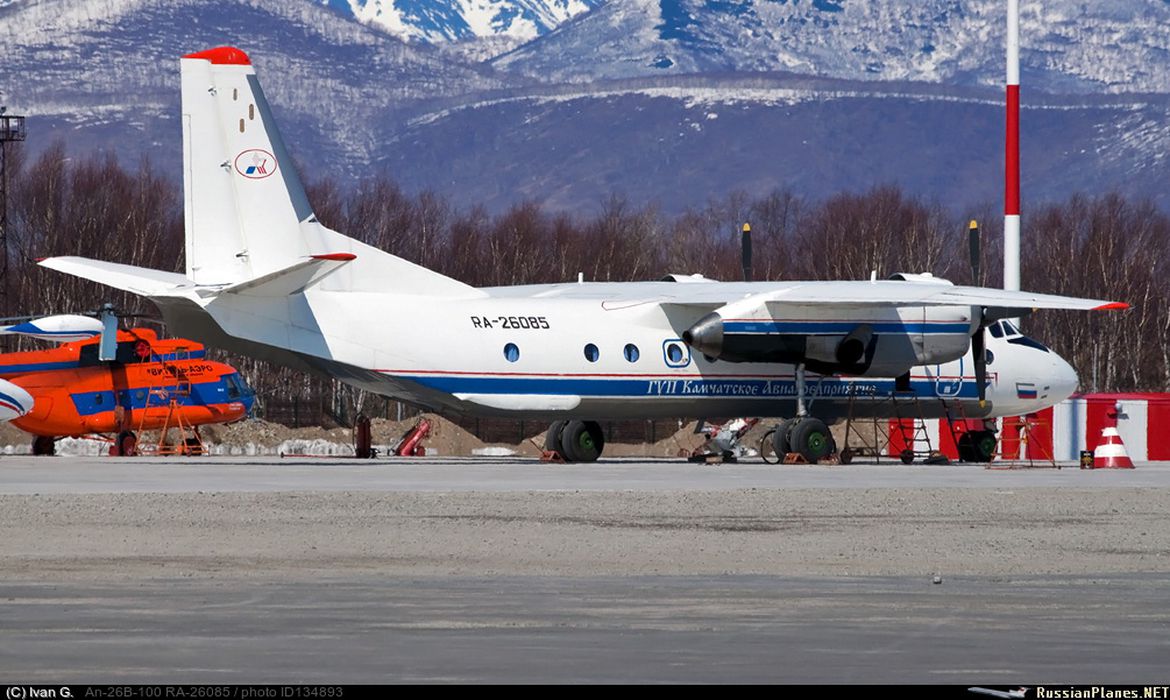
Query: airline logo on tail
[255, 163]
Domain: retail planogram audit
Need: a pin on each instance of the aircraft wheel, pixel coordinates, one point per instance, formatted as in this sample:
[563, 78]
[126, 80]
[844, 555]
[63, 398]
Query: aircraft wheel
[552, 439]
[977, 446]
[128, 444]
[984, 443]
[846, 455]
[768, 448]
[582, 441]
[44, 445]
[812, 439]
[907, 456]
[782, 438]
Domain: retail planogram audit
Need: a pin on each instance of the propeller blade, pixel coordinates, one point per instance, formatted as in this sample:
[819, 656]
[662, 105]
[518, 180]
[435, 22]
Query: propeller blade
[979, 351]
[745, 249]
[974, 252]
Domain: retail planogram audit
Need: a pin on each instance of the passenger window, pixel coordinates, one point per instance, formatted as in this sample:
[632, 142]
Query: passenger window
[631, 352]
[675, 353]
[511, 352]
[591, 352]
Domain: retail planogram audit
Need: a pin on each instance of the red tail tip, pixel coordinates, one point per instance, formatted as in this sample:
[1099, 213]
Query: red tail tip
[335, 256]
[1112, 306]
[223, 55]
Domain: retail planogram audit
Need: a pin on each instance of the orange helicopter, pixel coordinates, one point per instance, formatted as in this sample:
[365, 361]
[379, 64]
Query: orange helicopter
[142, 383]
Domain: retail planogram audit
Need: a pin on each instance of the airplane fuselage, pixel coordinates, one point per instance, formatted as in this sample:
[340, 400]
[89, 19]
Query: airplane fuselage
[590, 351]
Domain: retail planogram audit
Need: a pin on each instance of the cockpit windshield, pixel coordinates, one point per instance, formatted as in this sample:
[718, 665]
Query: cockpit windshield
[236, 386]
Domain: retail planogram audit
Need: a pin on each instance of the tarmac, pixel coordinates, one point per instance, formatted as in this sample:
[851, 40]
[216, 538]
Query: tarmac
[509, 570]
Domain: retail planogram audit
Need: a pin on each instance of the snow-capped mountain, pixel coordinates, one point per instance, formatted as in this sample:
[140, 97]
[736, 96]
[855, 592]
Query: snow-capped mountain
[667, 101]
[440, 21]
[1066, 45]
[105, 72]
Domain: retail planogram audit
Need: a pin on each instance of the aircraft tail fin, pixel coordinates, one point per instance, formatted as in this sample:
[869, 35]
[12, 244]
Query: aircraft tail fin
[247, 214]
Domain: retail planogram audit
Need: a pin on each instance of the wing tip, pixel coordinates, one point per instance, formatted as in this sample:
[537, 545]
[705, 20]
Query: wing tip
[1112, 306]
[339, 257]
[223, 55]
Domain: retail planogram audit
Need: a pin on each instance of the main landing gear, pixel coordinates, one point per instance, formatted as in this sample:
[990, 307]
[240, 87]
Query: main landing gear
[804, 435]
[44, 445]
[575, 440]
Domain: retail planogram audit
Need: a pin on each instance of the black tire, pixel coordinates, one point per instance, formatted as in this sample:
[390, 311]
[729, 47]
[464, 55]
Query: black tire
[812, 439]
[907, 456]
[782, 438]
[846, 455]
[985, 444]
[127, 444]
[582, 441]
[768, 449]
[552, 439]
[966, 447]
[193, 446]
[977, 446]
[43, 445]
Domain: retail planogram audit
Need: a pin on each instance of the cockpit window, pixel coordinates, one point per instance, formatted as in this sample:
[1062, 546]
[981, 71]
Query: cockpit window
[1010, 329]
[996, 330]
[236, 387]
[1028, 343]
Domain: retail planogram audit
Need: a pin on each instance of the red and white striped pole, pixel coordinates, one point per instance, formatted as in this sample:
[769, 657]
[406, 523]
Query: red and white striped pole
[1011, 197]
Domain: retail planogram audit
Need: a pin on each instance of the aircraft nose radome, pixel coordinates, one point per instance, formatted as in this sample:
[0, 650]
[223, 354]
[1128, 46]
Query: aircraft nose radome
[1064, 380]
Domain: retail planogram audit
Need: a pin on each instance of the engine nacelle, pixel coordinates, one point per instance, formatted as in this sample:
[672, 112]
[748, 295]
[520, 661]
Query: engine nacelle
[857, 340]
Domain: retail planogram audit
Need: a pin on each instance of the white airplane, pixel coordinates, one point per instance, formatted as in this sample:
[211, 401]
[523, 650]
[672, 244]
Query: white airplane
[266, 279]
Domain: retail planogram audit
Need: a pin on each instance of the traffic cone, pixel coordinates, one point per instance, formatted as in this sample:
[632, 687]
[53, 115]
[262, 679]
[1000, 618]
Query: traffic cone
[1110, 454]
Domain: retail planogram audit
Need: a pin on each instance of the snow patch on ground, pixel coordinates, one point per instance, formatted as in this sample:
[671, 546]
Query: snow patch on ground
[493, 451]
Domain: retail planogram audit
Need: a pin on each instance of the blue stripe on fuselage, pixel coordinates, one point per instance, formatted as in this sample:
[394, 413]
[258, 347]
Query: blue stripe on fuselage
[813, 327]
[666, 386]
[202, 394]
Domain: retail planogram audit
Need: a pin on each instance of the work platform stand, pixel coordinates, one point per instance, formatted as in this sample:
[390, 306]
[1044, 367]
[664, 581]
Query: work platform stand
[906, 407]
[1019, 437]
[171, 399]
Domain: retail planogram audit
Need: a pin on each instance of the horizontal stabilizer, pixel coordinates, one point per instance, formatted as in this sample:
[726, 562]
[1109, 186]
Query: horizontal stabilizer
[293, 279]
[138, 280]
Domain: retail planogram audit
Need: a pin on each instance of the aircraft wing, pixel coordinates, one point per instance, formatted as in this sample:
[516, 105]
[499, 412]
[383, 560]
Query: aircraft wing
[999, 302]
